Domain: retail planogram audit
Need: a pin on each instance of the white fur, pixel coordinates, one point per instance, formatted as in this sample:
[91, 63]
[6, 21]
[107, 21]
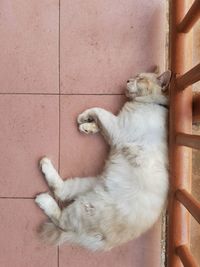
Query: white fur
[129, 195]
[49, 206]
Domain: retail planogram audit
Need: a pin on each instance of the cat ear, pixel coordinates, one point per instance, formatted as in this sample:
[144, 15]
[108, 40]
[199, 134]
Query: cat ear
[156, 69]
[164, 79]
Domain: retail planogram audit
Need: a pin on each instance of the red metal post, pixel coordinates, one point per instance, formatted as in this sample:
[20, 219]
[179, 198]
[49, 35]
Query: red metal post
[180, 121]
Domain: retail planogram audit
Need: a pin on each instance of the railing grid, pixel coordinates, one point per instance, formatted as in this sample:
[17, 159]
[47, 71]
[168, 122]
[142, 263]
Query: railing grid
[184, 109]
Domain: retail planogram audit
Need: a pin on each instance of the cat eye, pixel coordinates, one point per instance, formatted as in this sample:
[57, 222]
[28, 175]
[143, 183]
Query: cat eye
[140, 79]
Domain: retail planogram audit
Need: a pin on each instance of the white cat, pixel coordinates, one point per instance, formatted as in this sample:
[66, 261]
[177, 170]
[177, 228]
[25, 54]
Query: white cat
[127, 198]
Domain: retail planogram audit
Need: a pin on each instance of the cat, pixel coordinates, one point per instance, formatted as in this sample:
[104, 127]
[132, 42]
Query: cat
[127, 198]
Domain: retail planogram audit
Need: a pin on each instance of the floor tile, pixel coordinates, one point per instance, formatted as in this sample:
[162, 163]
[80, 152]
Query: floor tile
[105, 42]
[145, 251]
[81, 154]
[20, 246]
[29, 130]
[29, 46]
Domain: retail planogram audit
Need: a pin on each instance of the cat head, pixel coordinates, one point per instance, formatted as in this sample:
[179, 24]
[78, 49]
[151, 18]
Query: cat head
[149, 87]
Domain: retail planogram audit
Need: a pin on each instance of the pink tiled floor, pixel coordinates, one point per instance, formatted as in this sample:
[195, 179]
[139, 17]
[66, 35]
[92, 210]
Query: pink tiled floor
[57, 59]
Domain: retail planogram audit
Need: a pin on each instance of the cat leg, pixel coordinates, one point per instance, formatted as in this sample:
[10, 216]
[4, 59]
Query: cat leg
[69, 189]
[106, 122]
[74, 187]
[49, 206]
[52, 177]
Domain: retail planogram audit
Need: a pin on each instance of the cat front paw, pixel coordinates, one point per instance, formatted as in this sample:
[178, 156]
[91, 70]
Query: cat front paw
[89, 128]
[86, 116]
[45, 165]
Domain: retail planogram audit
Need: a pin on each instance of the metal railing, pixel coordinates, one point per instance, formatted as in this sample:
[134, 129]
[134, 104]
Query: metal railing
[184, 109]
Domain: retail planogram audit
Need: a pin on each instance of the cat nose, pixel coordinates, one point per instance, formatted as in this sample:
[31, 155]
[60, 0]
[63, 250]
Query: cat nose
[128, 81]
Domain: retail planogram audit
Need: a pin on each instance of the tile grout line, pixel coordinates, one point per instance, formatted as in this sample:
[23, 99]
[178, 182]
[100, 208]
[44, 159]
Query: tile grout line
[17, 197]
[59, 83]
[59, 94]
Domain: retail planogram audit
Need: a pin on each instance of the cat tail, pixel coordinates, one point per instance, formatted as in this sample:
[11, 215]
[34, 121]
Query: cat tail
[52, 234]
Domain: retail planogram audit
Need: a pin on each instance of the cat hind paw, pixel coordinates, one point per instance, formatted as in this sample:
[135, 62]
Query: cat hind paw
[88, 128]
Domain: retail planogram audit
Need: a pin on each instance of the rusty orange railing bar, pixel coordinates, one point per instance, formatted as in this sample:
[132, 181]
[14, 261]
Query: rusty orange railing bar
[188, 140]
[182, 112]
[189, 202]
[196, 108]
[190, 18]
[186, 257]
[189, 78]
